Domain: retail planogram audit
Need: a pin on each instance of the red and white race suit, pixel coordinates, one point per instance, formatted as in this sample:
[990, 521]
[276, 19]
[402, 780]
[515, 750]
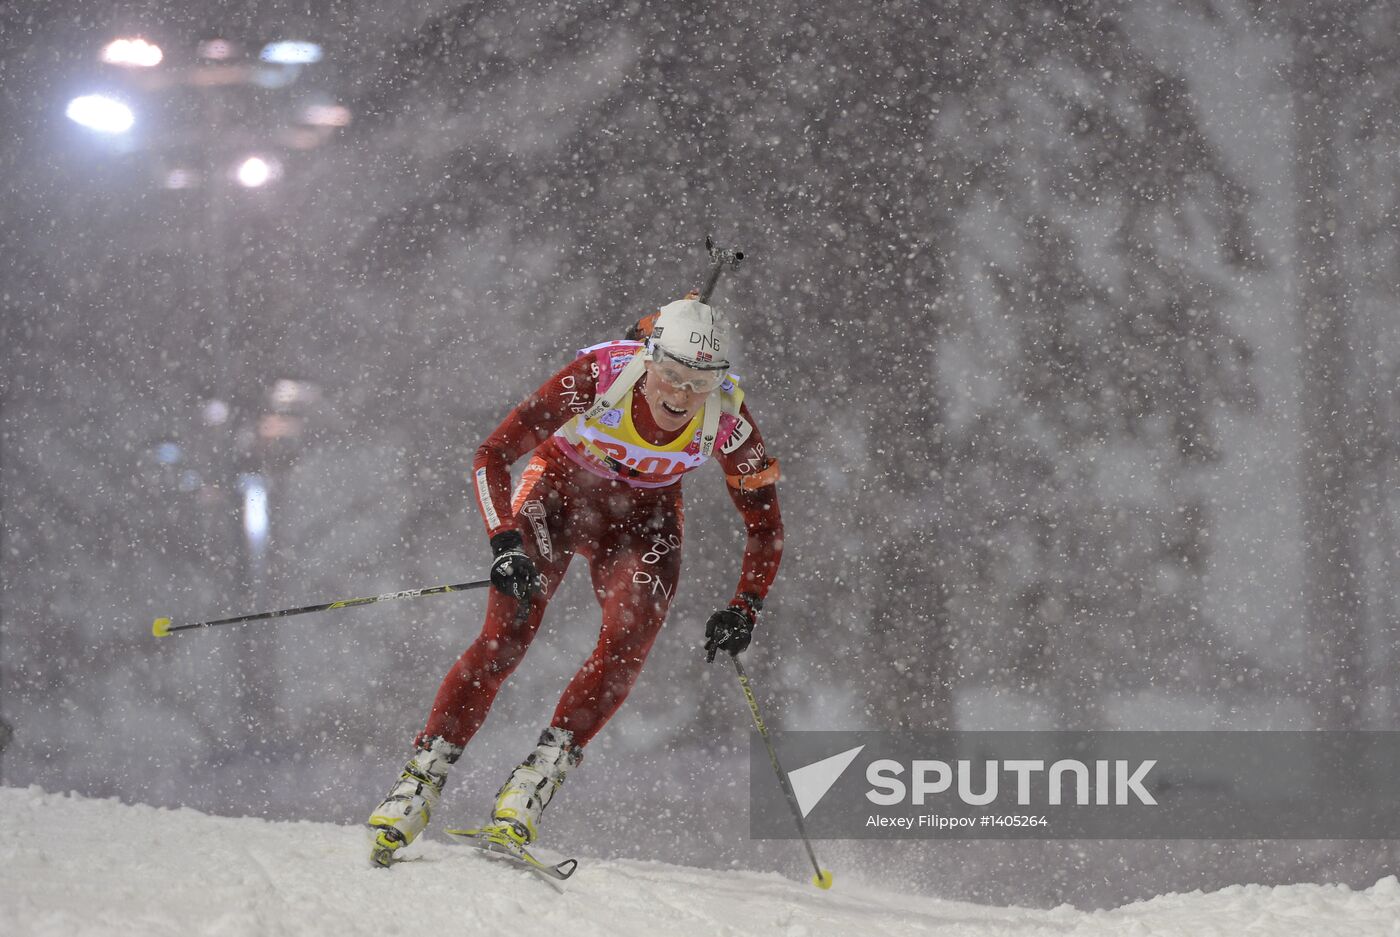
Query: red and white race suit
[628, 524]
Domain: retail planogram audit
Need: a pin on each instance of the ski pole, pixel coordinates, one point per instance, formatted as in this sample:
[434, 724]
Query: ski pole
[719, 258]
[823, 877]
[163, 627]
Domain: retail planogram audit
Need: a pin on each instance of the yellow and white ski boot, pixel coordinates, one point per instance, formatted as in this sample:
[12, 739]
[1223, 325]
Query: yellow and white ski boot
[532, 785]
[406, 809]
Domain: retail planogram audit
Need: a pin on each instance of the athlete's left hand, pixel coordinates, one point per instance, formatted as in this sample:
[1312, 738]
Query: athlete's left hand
[729, 629]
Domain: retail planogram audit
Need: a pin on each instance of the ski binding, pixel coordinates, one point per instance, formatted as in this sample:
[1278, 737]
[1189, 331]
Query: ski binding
[498, 842]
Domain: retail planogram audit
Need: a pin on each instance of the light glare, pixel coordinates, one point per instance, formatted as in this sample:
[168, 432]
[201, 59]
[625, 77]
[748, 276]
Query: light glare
[215, 412]
[100, 113]
[255, 513]
[291, 53]
[255, 171]
[327, 115]
[181, 179]
[215, 49]
[286, 392]
[132, 53]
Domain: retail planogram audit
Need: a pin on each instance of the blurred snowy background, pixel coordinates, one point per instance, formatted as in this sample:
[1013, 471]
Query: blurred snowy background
[1074, 325]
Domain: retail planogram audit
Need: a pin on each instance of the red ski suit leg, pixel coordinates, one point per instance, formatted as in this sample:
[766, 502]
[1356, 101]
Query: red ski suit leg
[635, 567]
[632, 540]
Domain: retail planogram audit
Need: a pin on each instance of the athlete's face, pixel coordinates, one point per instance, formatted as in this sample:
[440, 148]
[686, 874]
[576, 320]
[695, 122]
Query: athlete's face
[672, 405]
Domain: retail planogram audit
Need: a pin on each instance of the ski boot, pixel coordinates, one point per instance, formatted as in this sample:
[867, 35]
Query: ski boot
[532, 785]
[409, 804]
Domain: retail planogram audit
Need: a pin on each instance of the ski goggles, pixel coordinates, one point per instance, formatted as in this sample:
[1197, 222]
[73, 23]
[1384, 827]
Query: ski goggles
[687, 379]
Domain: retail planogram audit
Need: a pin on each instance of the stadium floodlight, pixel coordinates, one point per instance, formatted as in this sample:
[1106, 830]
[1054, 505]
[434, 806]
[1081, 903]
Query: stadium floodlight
[257, 171]
[255, 512]
[132, 53]
[288, 52]
[101, 113]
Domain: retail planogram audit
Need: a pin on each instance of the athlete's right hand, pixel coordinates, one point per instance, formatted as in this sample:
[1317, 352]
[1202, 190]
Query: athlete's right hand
[513, 572]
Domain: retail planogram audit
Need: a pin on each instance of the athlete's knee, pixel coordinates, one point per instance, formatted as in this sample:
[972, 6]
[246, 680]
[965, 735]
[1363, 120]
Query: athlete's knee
[499, 647]
[626, 617]
[624, 658]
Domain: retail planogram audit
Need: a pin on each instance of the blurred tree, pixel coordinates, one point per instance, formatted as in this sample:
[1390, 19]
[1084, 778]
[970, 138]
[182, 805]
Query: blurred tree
[1324, 70]
[1343, 57]
[1348, 140]
[1377, 204]
[1094, 351]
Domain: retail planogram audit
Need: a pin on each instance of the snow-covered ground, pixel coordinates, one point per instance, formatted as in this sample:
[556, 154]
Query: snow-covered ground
[72, 866]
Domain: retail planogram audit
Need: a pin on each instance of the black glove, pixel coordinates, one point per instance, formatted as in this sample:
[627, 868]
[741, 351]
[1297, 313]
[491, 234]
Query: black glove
[513, 572]
[730, 629]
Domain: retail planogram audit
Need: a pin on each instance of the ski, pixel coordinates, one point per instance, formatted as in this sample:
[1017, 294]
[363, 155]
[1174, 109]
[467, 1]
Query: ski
[497, 843]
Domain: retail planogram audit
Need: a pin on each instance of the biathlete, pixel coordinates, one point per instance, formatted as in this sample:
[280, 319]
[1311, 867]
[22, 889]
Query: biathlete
[610, 436]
